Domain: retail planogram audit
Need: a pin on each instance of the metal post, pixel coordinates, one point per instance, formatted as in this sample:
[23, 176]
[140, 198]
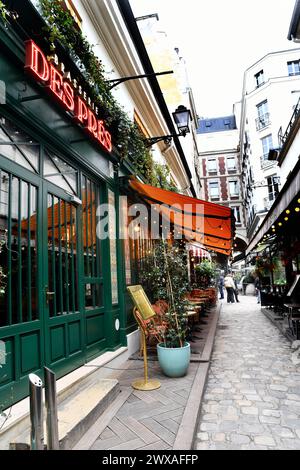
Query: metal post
[36, 412]
[51, 410]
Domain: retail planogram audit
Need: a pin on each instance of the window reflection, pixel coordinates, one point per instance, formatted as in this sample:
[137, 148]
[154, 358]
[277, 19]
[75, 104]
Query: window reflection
[91, 244]
[60, 173]
[113, 248]
[19, 147]
[18, 255]
[62, 294]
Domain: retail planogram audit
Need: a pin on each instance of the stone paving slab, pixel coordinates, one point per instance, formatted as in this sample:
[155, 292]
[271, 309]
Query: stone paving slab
[252, 397]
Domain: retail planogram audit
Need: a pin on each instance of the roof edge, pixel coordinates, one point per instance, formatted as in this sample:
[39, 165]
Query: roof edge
[294, 21]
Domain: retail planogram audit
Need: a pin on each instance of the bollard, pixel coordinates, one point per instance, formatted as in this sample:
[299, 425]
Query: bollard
[36, 412]
[51, 410]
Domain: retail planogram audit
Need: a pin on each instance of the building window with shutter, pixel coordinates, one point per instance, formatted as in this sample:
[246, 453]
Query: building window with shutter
[259, 79]
[234, 188]
[263, 119]
[294, 67]
[273, 187]
[214, 190]
[231, 164]
[237, 214]
[212, 165]
[267, 145]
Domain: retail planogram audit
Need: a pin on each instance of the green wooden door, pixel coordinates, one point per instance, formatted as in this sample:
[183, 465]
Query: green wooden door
[64, 323]
[57, 305]
[21, 300]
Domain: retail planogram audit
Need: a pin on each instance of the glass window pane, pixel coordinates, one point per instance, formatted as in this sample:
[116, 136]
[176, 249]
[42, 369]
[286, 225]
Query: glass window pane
[234, 188]
[18, 257]
[60, 173]
[62, 257]
[231, 164]
[20, 147]
[28, 158]
[113, 248]
[93, 296]
[212, 165]
[267, 144]
[214, 189]
[91, 243]
[262, 108]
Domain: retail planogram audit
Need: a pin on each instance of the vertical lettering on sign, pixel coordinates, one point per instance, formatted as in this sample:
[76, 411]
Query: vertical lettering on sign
[69, 97]
[82, 112]
[36, 61]
[92, 124]
[56, 82]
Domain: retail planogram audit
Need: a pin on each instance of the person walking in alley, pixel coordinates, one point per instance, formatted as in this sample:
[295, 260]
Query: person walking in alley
[221, 286]
[230, 287]
[236, 290]
[257, 285]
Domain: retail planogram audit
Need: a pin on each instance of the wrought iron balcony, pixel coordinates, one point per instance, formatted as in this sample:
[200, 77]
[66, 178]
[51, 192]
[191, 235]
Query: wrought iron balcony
[265, 163]
[283, 137]
[268, 201]
[262, 121]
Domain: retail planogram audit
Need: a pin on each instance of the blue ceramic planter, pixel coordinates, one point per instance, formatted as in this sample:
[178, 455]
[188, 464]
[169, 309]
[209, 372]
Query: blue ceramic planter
[174, 361]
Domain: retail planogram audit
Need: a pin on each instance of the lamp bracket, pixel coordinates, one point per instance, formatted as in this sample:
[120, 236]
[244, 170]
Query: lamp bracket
[117, 81]
[166, 138]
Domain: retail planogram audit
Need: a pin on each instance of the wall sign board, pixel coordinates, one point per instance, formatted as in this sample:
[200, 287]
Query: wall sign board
[62, 90]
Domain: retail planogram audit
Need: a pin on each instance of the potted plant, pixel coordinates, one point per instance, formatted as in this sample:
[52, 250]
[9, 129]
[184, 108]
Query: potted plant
[165, 277]
[205, 273]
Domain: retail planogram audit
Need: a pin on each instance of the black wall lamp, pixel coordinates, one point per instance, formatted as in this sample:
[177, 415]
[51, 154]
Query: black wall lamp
[182, 117]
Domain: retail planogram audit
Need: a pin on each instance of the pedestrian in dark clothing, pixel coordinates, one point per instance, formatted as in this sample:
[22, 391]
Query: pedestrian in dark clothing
[257, 285]
[236, 291]
[221, 286]
[230, 287]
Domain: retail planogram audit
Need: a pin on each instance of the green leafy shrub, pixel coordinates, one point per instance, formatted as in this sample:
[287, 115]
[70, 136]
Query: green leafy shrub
[164, 276]
[205, 273]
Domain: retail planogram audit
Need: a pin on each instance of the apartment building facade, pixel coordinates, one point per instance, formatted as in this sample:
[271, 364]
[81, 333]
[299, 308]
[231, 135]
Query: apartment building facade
[176, 88]
[220, 166]
[271, 92]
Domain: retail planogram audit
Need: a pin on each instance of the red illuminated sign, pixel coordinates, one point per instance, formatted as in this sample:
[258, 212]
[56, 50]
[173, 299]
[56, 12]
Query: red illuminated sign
[63, 91]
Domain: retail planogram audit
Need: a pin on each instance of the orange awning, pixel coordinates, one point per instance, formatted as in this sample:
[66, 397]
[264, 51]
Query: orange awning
[207, 223]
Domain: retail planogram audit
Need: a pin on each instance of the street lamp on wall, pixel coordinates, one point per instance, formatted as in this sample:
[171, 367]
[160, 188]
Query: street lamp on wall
[182, 117]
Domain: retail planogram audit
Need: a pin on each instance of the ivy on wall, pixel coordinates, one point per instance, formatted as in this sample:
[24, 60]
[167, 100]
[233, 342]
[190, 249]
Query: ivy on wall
[128, 138]
[5, 14]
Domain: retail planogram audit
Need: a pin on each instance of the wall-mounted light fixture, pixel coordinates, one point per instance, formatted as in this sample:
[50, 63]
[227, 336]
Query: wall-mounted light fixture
[182, 117]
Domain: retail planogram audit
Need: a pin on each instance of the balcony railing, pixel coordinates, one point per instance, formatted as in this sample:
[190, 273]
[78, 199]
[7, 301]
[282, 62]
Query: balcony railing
[265, 163]
[283, 137]
[268, 201]
[262, 121]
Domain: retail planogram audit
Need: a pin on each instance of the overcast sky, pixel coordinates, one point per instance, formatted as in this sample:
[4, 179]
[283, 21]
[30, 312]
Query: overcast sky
[220, 39]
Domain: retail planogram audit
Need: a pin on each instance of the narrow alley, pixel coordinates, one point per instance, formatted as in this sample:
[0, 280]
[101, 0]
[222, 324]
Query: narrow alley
[252, 399]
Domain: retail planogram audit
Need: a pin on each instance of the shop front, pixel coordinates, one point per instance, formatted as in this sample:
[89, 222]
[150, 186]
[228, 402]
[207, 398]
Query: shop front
[275, 250]
[61, 301]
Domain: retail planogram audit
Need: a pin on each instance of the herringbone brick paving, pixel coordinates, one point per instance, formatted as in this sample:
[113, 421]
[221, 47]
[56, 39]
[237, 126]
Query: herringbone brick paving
[148, 420]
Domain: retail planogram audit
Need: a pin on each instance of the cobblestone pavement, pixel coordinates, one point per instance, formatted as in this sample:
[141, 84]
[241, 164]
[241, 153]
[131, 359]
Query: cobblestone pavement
[252, 399]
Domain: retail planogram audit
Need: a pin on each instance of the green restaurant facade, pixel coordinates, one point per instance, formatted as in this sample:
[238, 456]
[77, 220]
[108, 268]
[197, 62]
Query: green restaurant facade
[63, 290]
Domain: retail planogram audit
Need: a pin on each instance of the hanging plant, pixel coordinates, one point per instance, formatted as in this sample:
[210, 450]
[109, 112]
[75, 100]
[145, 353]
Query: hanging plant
[162, 177]
[6, 14]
